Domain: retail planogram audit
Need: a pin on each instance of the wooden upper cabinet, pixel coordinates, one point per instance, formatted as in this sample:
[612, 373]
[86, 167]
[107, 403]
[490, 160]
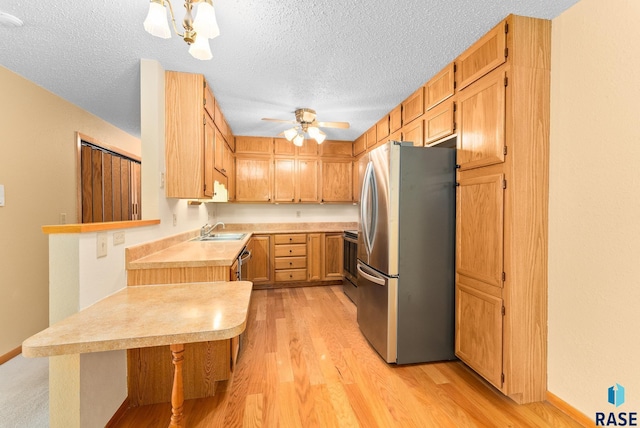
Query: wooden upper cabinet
[209, 154]
[253, 179]
[230, 164]
[382, 128]
[337, 176]
[254, 145]
[482, 122]
[283, 147]
[284, 180]
[413, 107]
[337, 148]
[309, 148]
[440, 87]
[360, 145]
[395, 119]
[483, 56]
[220, 160]
[414, 132]
[307, 180]
[184, 135]
[439, 122]
[370, 137]
[480, 228]
[209, 102]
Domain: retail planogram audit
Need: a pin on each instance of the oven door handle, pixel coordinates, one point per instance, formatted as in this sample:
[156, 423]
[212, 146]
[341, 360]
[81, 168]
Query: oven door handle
[245, 256]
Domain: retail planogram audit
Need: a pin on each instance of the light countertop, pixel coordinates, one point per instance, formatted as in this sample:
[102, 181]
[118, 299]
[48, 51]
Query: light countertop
[149, 315]
[193, 254]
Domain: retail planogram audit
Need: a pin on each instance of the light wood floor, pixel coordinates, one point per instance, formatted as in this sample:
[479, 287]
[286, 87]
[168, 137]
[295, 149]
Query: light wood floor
[306, 364]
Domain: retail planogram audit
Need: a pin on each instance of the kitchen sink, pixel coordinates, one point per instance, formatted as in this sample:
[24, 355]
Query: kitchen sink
[221, 237]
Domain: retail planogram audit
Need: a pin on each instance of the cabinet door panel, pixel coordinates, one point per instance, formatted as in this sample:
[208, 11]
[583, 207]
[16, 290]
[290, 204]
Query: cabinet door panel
[284, 180]
[414, 132]
[439, 122]
[253, 179]
[314, 256]
[439, 88]
[482, 122]
[482, 57]
[259, 266]
[337, 179]
[308, 181]
[479, 228]
[333, 257]
[413, 107]
[382, 128]
[209, 155]
[395, 119]
[479, 332]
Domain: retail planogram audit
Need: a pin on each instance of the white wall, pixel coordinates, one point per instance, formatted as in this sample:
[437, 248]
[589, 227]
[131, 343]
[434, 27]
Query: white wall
[594, 205]
[286, 213]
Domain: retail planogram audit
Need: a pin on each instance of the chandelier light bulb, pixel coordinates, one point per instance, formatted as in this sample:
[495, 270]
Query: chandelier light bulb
[313, 131]
[298, 140]
[290, 133]
[200, 49]
[205, 23]
[320, 137]
[156, 21]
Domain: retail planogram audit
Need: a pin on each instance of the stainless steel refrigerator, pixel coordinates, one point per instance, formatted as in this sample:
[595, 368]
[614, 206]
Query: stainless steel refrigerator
[406, 252]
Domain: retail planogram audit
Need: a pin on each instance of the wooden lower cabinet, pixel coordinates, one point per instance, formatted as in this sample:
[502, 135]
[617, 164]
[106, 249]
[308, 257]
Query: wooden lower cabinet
[333, 256]
[315, 243]
[289, 251]
[259, 266]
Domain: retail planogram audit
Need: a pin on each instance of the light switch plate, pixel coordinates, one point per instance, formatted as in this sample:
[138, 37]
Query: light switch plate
[101, 247]
[1, 195]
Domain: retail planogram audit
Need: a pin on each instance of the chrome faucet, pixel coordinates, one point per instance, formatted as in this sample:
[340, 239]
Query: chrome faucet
[207, 229]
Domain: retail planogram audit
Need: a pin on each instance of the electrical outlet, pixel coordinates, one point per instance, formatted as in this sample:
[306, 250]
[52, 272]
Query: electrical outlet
[175, 220]
[63, 218]
[162, 180]
[298, 213]
[118, 238]
[101, 247]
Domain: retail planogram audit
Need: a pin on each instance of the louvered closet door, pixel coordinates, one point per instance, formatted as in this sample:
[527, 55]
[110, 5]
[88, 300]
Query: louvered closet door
[479, 267]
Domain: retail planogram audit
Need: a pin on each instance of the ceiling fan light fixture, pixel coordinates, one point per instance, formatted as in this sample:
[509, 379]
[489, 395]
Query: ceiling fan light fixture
[290, 133]
[313, 131]
[200, 49]
[320, 137]
[156, 22]
[205, 23]
[298, 140]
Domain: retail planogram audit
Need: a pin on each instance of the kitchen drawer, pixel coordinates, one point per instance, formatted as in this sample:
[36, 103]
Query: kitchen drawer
[291, 263]
[291, 275]
[292, 250]
[298, 238]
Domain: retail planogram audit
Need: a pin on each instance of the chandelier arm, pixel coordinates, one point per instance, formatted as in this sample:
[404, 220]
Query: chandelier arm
[173, 18]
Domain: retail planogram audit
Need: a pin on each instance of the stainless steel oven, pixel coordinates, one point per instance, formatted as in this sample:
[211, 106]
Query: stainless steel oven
[350, 254]
[240, 265]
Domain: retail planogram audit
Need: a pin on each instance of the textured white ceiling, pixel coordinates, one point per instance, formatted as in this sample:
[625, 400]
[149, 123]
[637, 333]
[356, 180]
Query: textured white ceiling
[351, 60]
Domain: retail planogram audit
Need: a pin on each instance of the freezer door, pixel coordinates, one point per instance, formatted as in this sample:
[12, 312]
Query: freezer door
[377, 314]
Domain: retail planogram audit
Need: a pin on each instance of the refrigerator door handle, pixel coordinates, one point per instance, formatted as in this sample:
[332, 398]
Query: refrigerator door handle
[365, 215]
[374, 279]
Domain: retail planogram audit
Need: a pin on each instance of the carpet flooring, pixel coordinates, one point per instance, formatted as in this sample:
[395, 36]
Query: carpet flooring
[24, 393]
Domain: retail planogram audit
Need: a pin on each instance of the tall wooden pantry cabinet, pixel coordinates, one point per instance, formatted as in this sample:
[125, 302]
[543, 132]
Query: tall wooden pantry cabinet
[502, 199]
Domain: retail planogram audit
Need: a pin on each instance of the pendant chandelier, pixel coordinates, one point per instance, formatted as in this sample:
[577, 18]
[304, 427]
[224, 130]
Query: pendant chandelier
[197, 32]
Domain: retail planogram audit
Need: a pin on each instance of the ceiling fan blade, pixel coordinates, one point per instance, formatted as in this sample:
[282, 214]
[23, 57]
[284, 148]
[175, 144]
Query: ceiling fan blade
[343, 125]
[279, 120]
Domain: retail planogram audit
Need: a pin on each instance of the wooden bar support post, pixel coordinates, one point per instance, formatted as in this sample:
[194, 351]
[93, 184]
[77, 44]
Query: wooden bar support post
[177, 393]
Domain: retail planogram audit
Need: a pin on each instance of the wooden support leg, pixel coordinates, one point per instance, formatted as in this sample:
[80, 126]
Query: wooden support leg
[177, 393]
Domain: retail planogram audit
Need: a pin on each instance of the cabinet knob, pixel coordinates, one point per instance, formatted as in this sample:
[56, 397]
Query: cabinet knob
[293, 199]
[290, 264]
[291, 251]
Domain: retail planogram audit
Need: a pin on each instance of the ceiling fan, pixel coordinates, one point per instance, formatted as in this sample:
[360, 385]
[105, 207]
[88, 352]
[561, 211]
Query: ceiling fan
[307, 123]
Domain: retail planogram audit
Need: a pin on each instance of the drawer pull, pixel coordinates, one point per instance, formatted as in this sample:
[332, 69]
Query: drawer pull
[291, 251]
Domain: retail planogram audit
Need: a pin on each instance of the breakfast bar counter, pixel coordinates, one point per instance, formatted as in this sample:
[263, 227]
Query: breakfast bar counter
[153, 315]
